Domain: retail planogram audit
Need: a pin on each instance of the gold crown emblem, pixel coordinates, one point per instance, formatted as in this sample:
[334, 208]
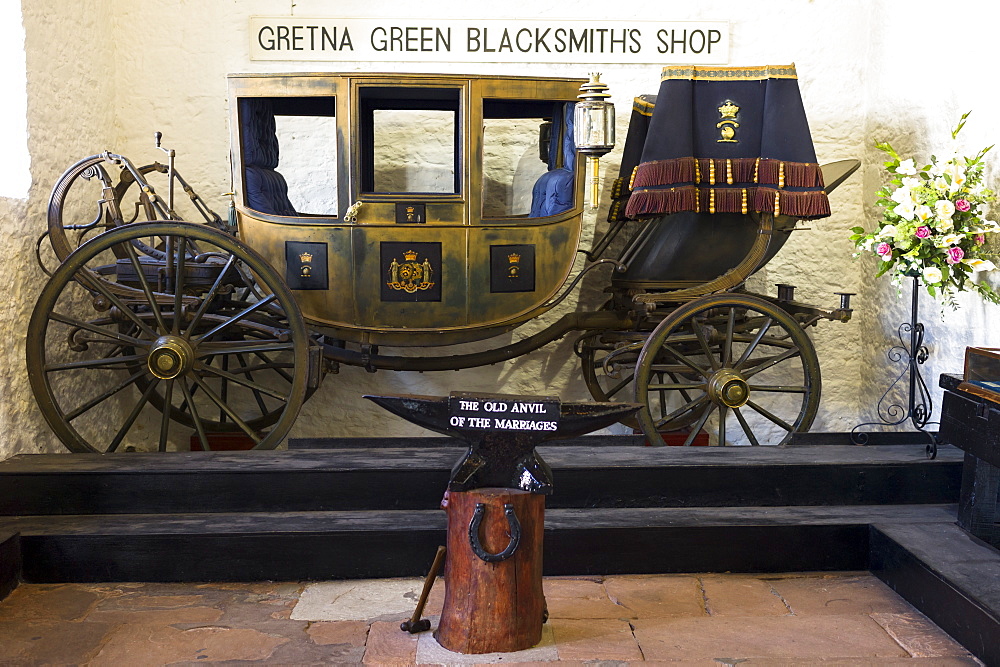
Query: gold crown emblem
[305, 257]
[513, 258]
[410, 256]
[728, 109]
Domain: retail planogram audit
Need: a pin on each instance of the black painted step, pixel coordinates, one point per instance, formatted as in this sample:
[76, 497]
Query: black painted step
[414, 478]
[949, 575]
[325, 545]
[10, 562]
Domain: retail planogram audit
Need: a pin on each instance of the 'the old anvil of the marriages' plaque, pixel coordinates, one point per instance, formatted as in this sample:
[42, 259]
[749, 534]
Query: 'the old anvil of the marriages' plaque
[489, 412]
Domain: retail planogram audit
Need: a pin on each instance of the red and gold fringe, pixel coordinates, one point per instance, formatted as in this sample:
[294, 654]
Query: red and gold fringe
[805, 205]
[765, 171]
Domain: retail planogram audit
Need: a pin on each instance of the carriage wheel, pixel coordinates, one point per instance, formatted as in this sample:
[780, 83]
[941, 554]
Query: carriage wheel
[608, 360]
[139, 353]
[87, 200]
[755, 378]
[78, 209]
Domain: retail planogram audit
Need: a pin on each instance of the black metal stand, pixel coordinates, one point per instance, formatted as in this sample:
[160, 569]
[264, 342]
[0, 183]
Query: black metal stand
[919, 405]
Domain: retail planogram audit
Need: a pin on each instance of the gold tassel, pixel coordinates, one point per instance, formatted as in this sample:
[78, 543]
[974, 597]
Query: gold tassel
[729, 171]
[711, 200]
[697, 171]
[781, 174]
[743, 202]
[711, 171]
[631, 180]
[777, 203]
[756, 170]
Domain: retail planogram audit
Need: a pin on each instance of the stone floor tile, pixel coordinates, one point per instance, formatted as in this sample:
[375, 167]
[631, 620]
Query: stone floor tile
[839, 594]
[197, 616]
[657, 596]
[137, 645]
[735, 638]
[919, 636]
[573, 587]
[354, 633]
[594, 640]
[951, 661]
[52, 602]
[581, 598]
[736, 595]
[388, 645]
[49, 642]
[358, 600]
[429, 652]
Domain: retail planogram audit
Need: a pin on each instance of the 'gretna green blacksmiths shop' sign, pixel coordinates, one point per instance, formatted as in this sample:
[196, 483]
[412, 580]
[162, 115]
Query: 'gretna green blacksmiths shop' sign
[489, 41]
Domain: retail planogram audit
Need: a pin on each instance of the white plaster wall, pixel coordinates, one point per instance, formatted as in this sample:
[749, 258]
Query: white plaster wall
[107, 75]
[918, 89]
[70, 80]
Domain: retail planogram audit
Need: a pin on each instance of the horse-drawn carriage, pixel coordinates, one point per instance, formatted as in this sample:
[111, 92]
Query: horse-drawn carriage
[409, 211]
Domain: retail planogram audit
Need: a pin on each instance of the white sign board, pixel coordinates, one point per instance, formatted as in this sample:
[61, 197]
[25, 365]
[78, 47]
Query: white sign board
[489, 41]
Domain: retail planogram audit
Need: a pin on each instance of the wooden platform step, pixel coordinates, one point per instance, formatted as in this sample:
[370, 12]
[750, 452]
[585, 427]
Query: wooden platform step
[10, 561]
[398, 478]
[950, 576]
[364, 544]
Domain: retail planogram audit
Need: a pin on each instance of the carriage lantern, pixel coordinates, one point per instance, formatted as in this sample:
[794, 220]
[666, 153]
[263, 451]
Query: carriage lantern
[594, 128]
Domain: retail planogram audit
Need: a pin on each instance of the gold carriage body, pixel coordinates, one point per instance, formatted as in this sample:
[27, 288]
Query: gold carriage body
[412, 268]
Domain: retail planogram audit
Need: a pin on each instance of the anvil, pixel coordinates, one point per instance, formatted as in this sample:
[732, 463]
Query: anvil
[504, 458]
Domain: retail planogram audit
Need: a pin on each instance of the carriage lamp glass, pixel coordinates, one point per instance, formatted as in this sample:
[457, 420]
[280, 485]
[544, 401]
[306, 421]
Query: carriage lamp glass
[594, 128]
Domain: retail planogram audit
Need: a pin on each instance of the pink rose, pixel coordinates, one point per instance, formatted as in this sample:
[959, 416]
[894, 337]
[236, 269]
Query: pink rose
[955, 255]
[962, 205]
[883, 249]
[923, 232]
[980, 239]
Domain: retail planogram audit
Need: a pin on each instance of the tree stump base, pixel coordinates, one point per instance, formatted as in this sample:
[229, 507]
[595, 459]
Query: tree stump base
[493, 605]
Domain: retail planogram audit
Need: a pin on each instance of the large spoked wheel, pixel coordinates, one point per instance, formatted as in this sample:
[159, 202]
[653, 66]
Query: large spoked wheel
[129, 351]
[608, 360]
[735, 365]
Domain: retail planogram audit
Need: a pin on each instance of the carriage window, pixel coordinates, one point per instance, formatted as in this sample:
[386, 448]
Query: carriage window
[511, 165]
[528, 158]
[289, 154]
[410, 140]
[308, 162]
[414, 151]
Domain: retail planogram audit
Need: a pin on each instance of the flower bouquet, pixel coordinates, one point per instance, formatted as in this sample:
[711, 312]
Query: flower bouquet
[933, 224]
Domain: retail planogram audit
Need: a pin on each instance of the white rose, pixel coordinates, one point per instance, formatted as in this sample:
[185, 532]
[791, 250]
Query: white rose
[932, 275]
[944, 208]
[911, 182]
[907, 167]
[945, 225]
[940, 184]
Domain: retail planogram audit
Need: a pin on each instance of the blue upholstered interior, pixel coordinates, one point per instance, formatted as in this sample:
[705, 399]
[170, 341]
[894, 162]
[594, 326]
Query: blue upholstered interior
[553, 192]
[266, 189]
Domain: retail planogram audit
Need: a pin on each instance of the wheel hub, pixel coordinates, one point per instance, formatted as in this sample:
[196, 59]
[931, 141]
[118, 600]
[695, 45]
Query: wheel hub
[727, 387]
[170, 357]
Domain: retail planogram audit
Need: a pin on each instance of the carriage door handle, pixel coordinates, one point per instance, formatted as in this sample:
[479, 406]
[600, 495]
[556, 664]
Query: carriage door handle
[515, 534]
